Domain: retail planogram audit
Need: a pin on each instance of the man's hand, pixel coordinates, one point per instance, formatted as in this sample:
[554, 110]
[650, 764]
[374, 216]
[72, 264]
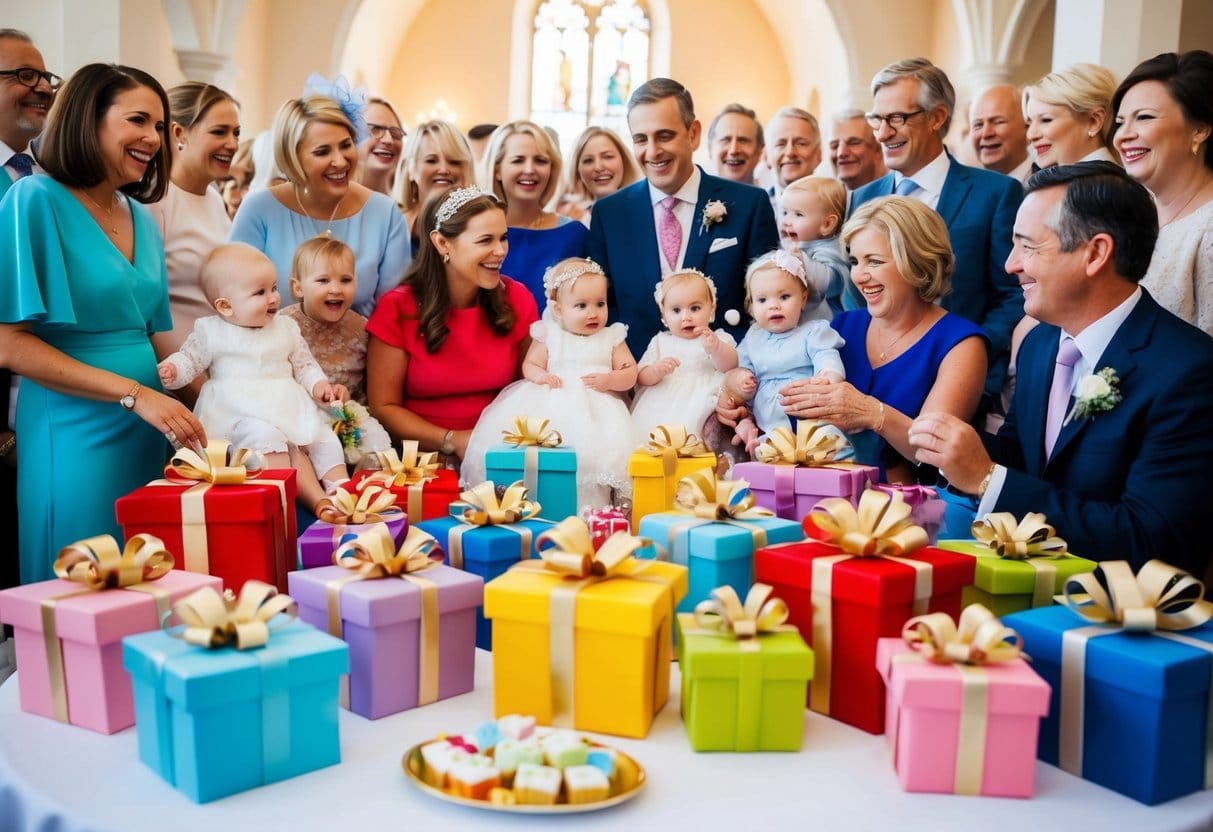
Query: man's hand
[953, 447]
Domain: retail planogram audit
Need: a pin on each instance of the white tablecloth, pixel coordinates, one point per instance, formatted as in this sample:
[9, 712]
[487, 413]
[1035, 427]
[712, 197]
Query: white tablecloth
[57, 777]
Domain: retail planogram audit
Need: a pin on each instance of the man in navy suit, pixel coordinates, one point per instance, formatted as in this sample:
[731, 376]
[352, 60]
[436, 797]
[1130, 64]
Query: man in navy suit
[912, 105]
[1118, 478]
[677, 217]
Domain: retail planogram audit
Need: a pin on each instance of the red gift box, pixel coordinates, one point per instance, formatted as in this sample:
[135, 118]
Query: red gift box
[425, 499]
[236, 532]
[604, 522]
[870, 597]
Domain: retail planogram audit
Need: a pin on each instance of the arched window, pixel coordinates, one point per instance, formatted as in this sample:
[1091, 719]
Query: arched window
[587, 56]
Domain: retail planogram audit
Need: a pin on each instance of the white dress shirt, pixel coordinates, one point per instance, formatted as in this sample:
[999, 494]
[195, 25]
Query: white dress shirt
[929, 179]
[7, 153]
[684, 212]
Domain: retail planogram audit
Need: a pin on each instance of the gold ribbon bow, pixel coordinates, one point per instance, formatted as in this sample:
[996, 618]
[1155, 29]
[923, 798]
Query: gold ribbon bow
[979, 637]
[725, 613]
[485, 509]
[880, 526]
[1030, 537]
[572, 551]
[1159, 597]
[812, 445]
[409, 467]
[370, 505]
[671, 442]
[219, 463]
[702, 495]
[214, 620]
[97, 563]
[532, 431]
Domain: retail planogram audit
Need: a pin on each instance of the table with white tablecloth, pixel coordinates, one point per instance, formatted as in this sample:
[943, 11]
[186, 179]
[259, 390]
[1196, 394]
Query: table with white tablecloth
[66, 779]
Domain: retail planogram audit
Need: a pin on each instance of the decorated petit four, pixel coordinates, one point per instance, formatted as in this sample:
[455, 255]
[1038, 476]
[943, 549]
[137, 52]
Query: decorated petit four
[585, 784]
[438, 757]
[564, 748]
[536, 784]
[516, 726]
[510, 753]
[473, 776]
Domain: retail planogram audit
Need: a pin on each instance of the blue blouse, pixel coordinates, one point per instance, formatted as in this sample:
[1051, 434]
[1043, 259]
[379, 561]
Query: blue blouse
[533, 251]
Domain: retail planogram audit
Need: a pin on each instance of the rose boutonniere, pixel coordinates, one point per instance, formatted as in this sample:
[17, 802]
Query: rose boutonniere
[1097, 393]
[713, 212]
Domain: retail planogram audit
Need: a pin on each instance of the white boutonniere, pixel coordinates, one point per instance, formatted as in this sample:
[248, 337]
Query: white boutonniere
[713, 212]
[1097, 393]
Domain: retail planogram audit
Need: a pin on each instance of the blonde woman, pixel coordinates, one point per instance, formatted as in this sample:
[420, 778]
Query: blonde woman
[522, 168]
[436, 159]
[598, 166]
[1070, 117]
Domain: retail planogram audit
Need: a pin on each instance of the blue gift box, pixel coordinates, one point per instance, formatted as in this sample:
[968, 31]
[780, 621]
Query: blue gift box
[555, 487]
[716, 553]
[487, 551]
[217, 722]
[1145, 704]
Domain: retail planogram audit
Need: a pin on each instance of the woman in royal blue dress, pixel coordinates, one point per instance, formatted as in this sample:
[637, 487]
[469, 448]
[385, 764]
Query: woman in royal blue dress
[84, 287]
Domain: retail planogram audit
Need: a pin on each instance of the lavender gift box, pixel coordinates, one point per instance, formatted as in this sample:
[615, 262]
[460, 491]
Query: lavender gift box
[792, 491]
[318, 541]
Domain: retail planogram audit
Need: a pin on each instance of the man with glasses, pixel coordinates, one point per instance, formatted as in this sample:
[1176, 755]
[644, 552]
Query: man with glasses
[911, 110]
[26, 91]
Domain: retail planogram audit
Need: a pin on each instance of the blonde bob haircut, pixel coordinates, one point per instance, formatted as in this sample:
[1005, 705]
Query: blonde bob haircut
[292, 120]
[573, 184]
[1083, 89]
[918, 240]
[450, 143]
[496, 152]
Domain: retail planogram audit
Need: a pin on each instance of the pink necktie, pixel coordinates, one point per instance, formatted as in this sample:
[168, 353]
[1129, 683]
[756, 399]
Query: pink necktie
[1059, 393]
[669, 231]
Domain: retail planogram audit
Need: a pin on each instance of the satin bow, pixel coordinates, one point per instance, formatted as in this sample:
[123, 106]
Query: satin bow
[214, 620]
[1031, 537]
[409, 467]
[485, 509]
[220, 464]
[1159, 597]
[670, 442]
[811, 445]
[532, 431]
[370, 505]
[881, 525]
[979, 638]
[373, 553]
[702, 495]
[572, 550]
[97, 563]
[724, 612]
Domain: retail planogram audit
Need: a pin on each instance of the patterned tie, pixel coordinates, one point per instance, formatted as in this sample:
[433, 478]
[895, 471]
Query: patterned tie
[669, 231]
[905, 187]
[22, 163]
[1059, 393]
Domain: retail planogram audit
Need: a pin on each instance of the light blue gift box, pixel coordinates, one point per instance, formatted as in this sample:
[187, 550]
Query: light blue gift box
[555, 486]
[217, 722]
[716, 553]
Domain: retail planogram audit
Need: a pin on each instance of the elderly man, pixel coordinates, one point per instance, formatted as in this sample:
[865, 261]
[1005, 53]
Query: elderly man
[677, 217]
[793, 148]
[911, 110]
[1116, 465]
[736, 143]
[999, 133]
[26, 91]
[854, 152]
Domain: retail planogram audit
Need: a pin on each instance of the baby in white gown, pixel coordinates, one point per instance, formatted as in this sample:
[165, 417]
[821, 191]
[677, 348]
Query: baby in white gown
[573, 375]
[264, 390]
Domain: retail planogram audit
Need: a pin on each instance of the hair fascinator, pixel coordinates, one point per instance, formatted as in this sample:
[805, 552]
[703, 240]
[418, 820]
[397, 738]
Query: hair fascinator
[567, 271]
[662, 285]
[455, 200]
[351, 100]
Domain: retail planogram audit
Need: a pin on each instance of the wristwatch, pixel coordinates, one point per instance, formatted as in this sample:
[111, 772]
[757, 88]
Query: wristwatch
[448, 447]
[128, 401]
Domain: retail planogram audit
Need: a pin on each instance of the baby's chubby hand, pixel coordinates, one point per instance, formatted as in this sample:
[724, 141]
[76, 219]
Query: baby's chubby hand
[709, 340]
[666, 365]
[325, 391]
[167, 371]
[551, 380]
[599, 382]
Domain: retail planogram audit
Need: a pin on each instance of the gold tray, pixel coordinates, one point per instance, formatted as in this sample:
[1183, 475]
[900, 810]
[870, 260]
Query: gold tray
[628, 781]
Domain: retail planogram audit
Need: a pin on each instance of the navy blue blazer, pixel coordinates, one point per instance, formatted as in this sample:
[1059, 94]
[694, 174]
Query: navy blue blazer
[979, 209]
[1129, 483]
[623, 240]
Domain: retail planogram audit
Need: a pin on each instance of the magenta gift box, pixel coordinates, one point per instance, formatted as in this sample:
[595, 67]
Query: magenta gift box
[381, 623]
[318, 541]
[923, 721]
[791, 491]
[90, 626]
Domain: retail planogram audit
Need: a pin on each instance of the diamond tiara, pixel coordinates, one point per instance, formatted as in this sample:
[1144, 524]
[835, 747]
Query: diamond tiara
[454, 201]
[564, 272]
[659, 290]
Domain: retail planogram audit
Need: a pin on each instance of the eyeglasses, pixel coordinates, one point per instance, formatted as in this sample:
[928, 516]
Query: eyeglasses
[28, 76]
[894, 120]
[377, 130]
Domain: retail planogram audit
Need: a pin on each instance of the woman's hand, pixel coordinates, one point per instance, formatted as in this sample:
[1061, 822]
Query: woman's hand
[836, 402]
[171, 418]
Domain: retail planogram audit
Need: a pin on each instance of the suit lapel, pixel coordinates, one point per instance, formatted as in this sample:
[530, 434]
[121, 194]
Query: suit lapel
[956, 187]
[1032, 384]
[643, 232]
[697, 246]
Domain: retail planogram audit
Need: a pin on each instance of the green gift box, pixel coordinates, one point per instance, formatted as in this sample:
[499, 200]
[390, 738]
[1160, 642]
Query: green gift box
[743, 694]
[1006, 585]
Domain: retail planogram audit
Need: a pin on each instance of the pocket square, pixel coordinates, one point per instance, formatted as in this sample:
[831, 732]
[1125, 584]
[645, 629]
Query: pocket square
[722, 243]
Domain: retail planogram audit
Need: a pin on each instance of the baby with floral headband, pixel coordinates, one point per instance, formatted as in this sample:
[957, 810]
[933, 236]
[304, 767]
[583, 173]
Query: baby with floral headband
[573, 375]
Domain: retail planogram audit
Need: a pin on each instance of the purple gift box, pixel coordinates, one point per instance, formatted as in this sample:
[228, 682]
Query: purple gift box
[318, 541]
[792, 491]
[381, 623]
[926, 508]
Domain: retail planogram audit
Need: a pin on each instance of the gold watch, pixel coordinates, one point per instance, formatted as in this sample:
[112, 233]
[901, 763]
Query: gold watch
[128, 401]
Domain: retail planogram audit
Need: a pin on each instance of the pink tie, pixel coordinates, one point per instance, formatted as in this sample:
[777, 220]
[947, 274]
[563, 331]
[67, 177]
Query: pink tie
[1059, 393]
[669, 231]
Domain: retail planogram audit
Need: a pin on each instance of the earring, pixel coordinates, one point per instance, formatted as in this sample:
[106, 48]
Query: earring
[1091, 133]
[180, 146]
[446, 258]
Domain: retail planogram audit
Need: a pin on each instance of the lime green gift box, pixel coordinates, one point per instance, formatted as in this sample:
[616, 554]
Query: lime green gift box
[1006, 585]
[743, 694]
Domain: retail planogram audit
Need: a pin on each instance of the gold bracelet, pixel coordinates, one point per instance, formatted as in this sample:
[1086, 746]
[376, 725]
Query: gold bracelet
[985, 482]
[6, 447]
[879, 417]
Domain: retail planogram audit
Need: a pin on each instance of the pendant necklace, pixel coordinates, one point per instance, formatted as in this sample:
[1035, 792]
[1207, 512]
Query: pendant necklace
[328, 231]
[896, 340]
[109, 212]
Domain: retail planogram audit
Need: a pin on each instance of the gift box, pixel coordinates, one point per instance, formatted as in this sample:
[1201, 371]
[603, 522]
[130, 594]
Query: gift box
[960, 728]
[214, 722]
[585, 641]
[926, 507]
[236, 528]
[656, 469]
[349, 516]
[604, 522]
[842, 603]
[550, 475]
[743, 692]
[412, 634]
[792, 491]
[421, 499]
[68, 641]
[1130, 708]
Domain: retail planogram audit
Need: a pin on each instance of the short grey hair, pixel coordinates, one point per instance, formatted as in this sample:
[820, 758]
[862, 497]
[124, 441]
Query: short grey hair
[849, 113]
[659, 89]
[934, 88]
[803, 115]
[741, 110]
[15, 34]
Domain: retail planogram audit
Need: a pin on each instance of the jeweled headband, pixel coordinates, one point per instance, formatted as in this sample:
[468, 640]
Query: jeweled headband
[663, 284]
[561, 273]
[454, 201]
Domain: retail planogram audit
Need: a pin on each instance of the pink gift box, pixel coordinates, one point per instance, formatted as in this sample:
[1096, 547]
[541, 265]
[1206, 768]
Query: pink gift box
[90, 627]
[381, 623]
[318, 541]
[926, 508]
[792, 491]
[604, 522]
[923, 717]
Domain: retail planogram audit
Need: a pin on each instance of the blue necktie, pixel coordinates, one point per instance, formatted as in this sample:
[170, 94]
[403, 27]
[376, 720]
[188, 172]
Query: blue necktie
[21, 163]
[905, 187]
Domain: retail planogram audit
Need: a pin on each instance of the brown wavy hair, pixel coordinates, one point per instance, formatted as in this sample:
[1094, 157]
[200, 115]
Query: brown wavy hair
[428, 277]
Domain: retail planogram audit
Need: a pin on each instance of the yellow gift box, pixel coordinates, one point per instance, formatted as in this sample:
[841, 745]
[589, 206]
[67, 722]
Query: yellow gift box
[606, 668]
[655, 469]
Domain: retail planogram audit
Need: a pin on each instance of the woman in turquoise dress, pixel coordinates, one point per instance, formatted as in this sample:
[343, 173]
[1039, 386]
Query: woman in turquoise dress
[84, 286]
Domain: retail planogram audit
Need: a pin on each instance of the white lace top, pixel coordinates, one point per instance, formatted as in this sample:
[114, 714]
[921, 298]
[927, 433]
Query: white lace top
[1180, 276]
